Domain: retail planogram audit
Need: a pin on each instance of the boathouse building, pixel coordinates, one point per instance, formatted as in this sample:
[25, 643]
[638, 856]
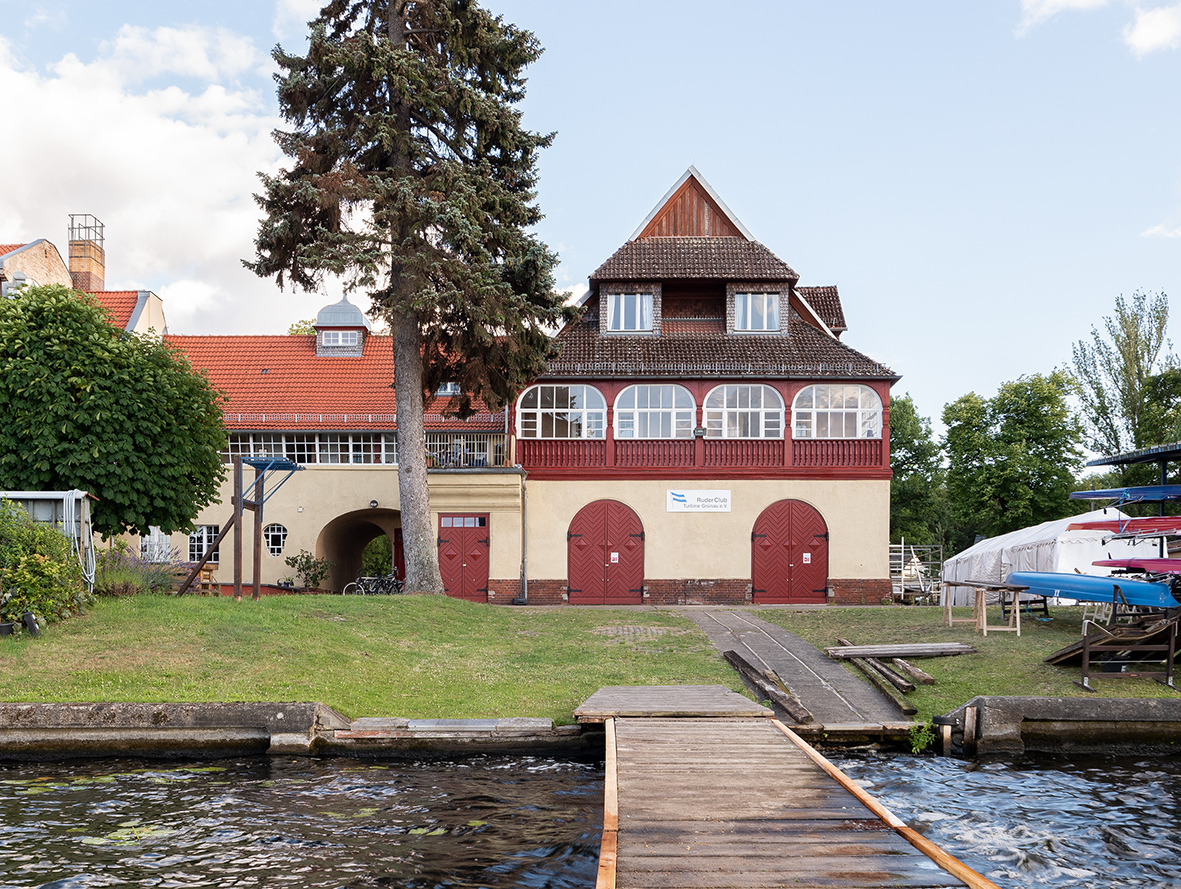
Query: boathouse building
[703, 435]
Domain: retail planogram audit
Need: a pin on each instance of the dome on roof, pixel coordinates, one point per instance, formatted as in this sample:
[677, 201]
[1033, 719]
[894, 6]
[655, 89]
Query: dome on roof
[341, 314]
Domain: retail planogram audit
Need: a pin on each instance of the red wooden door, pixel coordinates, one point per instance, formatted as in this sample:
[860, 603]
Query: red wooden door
[789, 555]
[464, 556]
[605, 555]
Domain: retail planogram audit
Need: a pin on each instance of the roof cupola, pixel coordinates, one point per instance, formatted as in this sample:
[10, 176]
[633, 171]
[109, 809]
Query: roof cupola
[341, 329]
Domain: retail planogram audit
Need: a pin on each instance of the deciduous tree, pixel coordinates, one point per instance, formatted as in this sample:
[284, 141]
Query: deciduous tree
[1112, 371]
[412, 176]
[1012, 458]
[918, 502]
[86, 405]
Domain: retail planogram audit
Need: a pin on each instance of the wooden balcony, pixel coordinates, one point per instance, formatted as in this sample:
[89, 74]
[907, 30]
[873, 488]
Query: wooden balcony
[846, 453]
[649, 452]
[731, 453]
[541, 453]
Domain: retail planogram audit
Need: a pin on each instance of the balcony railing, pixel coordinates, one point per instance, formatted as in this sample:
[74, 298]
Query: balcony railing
[743, 452]
[466, 450]
[842, 452]
[561, 453]
[650, 452]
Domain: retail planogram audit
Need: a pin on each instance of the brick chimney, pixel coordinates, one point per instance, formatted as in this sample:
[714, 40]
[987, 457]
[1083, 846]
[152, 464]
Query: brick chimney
[87, 257]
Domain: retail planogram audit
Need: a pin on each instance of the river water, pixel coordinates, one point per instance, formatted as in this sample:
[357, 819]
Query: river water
[480, 822]
[1040, 821]
[530, 822]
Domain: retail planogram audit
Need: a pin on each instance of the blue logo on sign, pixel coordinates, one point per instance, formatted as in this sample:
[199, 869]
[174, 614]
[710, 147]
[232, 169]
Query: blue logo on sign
[677, 497]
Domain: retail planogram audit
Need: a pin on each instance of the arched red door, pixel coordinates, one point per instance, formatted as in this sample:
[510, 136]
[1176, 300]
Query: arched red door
[789, 555]
[605, 555]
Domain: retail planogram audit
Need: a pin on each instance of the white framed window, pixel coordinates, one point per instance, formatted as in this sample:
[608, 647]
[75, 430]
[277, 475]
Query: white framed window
[655, 412]
[317, 447]
[825, 411]
[339, 337]
[155, 546]
[629, 312]
[448, 389]
[201, 540]
[547, 411]
[756, 311]
[743, 411]
[275, 537]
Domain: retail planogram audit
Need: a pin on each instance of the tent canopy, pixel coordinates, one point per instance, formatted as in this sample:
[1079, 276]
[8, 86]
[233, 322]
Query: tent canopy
[1045, 547]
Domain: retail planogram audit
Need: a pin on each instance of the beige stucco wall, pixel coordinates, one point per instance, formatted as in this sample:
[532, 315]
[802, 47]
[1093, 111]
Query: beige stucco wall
[323, 504]
[715, 545]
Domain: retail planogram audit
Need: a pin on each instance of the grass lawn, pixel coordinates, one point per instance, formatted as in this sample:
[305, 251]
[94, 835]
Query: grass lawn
[1004, 665]
[411, 656]
[433, 657]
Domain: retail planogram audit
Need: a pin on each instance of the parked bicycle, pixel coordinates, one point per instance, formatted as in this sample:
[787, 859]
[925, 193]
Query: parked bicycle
[387, 585]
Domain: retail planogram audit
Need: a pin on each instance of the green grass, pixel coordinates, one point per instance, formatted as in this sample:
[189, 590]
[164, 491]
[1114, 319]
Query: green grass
[1004, 664]
[431, 657]
[411, 656]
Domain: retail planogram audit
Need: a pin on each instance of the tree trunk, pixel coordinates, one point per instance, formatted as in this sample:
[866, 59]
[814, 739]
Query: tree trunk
[418, 530]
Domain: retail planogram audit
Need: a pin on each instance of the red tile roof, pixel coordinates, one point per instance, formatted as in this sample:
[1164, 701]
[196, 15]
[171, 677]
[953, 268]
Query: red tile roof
[732, 259]
[8, 248]
[119, 304]
[827, 304]
[278, 382]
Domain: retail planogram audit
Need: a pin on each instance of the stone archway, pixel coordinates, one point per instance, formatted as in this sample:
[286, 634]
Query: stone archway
[343, 540]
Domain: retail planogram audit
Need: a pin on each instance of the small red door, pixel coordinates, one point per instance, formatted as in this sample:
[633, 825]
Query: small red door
[789, 555]
[605, 555]
[464, 556]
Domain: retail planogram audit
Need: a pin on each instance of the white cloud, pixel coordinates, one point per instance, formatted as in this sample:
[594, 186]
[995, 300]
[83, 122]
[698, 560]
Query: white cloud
[170, 171]
[292, 17]
[1161, 231]
[1035, 12]
[1154, 29]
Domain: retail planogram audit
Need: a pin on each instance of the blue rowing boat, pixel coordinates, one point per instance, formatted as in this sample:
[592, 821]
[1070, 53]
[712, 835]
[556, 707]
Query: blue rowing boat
[1089, 588]
[1138, 494]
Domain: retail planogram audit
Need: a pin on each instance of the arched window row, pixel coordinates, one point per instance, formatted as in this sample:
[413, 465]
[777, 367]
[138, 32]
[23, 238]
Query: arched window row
[645, 411]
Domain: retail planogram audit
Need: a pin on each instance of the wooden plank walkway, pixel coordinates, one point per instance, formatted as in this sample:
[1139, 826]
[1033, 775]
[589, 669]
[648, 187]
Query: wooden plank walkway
[736, 802]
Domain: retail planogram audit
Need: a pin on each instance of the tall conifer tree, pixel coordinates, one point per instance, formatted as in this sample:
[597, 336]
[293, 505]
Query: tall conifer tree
[412, 177]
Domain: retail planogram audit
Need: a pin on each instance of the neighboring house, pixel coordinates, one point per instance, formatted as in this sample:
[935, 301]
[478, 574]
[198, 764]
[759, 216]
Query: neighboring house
[702, 436]
[40, 263]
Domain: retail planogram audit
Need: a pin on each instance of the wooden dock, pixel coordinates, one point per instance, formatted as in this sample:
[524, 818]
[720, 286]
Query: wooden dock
[741, 801]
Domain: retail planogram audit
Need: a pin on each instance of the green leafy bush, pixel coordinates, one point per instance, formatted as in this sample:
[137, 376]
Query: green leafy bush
[122, 572]
[308, 568]
[38, 570]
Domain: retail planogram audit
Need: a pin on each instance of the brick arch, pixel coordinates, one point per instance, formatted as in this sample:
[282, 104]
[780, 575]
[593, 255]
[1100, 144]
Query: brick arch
[605, 555]
[789, 555]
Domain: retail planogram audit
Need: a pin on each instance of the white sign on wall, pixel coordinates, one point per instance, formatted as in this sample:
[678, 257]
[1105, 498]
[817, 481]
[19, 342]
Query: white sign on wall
[698, 501]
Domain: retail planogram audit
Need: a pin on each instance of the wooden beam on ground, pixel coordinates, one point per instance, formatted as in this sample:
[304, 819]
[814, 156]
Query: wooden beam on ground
[918, 649]
[903, 685]
[794, 708]
[914, 672]
[883, 686]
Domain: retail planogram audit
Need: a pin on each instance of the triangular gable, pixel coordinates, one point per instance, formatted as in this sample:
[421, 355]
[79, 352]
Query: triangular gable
[691, 209]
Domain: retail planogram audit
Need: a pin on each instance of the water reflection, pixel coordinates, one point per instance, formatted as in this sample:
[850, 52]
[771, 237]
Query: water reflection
[1044, 821]
[480, 822]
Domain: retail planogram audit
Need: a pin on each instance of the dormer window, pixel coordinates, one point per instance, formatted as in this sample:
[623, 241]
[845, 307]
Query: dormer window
[448, 390]
[629, 312]
[339, 337]
[756, 312]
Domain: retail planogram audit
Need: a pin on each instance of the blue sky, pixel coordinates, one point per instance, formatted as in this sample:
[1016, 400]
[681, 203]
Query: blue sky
[981, 180]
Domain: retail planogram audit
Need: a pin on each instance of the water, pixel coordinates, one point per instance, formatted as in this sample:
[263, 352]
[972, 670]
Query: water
[486, 821]
[1040, 822]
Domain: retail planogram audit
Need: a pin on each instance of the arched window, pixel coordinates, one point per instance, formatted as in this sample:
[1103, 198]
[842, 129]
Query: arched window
[276, 538]
[548, 411]
[654, 412]
[837, 412]
[743, 412]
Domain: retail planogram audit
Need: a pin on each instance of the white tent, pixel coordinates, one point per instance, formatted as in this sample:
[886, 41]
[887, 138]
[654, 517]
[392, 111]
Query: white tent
[1045, 547]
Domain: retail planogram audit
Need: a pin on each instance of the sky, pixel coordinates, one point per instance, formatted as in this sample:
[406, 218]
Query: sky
[981, 180]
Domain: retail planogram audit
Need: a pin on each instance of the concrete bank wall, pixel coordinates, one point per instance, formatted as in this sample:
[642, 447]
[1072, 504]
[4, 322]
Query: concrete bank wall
[35, 732]
[991, 724]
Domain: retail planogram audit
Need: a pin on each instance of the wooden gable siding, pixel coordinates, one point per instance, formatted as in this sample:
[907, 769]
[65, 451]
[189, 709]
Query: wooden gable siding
[690, 213]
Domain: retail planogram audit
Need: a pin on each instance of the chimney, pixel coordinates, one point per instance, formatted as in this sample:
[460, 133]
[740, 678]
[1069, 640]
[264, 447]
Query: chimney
[87, 257]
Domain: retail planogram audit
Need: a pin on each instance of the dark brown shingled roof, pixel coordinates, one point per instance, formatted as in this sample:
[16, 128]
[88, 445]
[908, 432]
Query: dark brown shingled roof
[735, 259]
[827, 303]
[804, 352]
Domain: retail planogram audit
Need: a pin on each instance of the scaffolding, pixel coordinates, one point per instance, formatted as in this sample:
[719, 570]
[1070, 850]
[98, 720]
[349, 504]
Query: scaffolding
[915, 572]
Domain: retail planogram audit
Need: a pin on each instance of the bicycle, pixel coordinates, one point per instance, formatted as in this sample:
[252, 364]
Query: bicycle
[387, 585]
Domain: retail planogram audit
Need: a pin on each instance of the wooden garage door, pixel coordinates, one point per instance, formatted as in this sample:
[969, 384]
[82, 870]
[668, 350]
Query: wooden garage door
[789, 555]
[463, 556]
[605, 555]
